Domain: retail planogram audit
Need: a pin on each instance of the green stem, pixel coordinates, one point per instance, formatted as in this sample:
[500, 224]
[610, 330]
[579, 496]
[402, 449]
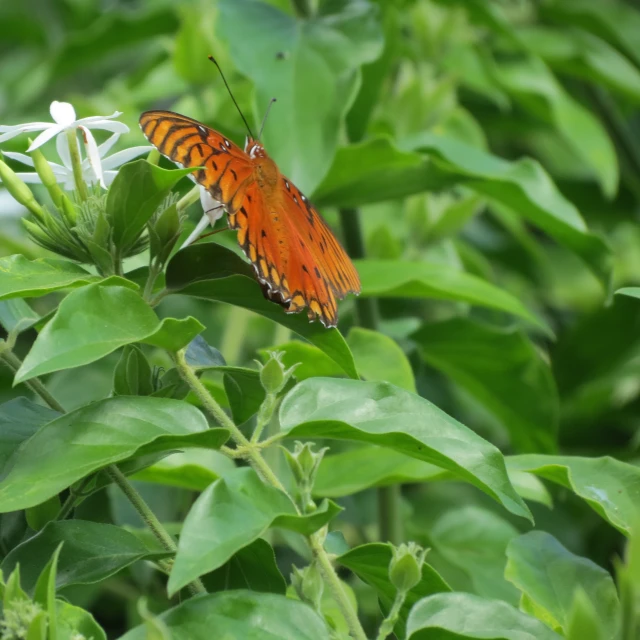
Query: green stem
[254, 456]
[333, 582]
[264, 415]
[302, 8]
[188, 199]
[386, 628]
[113, 472]
[76, 164]
[154, 272]
[389, 498]
[72, 500]
[235, 330]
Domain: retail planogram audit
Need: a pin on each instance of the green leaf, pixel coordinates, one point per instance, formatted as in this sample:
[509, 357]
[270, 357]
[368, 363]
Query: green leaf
[23, 278]
[45, 592]
[584, 55]
[213, 272]
[517, 388]
[610, 487]
[199, 354]
[549, 575]
[463, 615]
[96, 320]
[362, 467]
[244, 392]
[616, 22]
[37, 517]
[137, 191]
[16, 315]
[378, 357]
[105, 432]
[632, 292]
[525, 187]
[402, 279]
[311, 66]
[195, 469]
[311, 361]
[475, 541]
[133, 375]
[19, 420]
[531, 84]
[583, 621]
[240, 614]
[370, 562]
[252, 567]
[73, 620]
[229, 515]
[91, 552]
[399, 421]
[374, 170]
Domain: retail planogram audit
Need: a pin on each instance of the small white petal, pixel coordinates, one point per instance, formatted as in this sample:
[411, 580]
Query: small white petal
[62, 145]
[94, 156]
[92, 119]
[45, 136]
[20, 157]
[212, 208]
[123, 156]
[109, 177]
[63, 113]
[12, 132]
[195, 234]
[105, 147]
[30, 178]
[106, 125]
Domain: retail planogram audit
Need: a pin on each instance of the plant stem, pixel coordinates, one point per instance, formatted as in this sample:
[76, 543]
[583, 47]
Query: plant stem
[333, 582]
[76, 164]
[188, 199]
[113, 472]
[154, 271]
[302, 7]
[254, 456]
[389, 498]
[386, 628]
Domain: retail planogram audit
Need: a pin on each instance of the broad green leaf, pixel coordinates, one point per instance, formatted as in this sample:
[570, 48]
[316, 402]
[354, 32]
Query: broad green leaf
[252, 567]
[94, 321]
[614, 21]
[23, 278]
[229, 515]
[133, 375]
[536, 89]
[92, 551]
[584, 55]
[37, 517]
[632, 292]
[137, 191]
[370, 562]
[517, 388]
[73, 620]
[240, 614]
[378, 357]
[363, 467]
[311, 361]
[194, 469]
[475, 541]
[400, 421]
[583, 620]
[213, 272]
[402, 279]
[19, 420]
[375, 170]
[311, 66]
[16, 315]
[610, 487]
[549, 575]
[199, 354]
[244, 392]
[463, 615]
[105, 432]
[526, 188]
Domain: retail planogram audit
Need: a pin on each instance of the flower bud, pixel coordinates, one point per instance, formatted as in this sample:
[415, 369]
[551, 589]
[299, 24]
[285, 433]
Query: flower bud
[43, 169]
[20, 191]
[273, 375]
[304, 462]
[405, 568]
[308, 584]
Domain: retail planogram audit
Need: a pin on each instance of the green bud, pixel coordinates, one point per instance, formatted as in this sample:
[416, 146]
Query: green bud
[273, 375]
[308, 584]
[20, 191]
[43, 169]
[164, 232]
[68, 209]
[405, 568]
[304, 464]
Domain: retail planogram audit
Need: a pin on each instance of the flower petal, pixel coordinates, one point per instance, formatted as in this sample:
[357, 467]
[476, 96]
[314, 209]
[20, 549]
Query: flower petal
[92, 153]
[123, 156]
[45, 136]
[20, 157]
[63, 113]
[109, 177]
[195, 234]
[105, 147]
[30, 178]
[92, 119]
[213, 209]
[12, 132]
[106, 125]
[62, 145]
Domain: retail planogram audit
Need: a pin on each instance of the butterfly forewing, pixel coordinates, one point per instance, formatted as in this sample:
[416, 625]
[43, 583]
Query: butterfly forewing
[298, 260]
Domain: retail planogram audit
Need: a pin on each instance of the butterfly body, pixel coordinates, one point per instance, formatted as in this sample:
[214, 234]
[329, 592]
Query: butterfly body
[298, 261]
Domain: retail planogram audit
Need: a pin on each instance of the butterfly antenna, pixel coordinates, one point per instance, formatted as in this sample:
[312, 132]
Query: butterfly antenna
[264, 120]
[226, 84]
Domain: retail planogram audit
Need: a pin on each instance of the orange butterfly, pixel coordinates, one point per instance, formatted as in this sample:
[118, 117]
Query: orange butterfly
[298, 260]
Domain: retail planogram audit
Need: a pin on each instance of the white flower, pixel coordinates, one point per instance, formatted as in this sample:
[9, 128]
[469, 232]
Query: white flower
[213, 211]
[64, 172]
[64, 117]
